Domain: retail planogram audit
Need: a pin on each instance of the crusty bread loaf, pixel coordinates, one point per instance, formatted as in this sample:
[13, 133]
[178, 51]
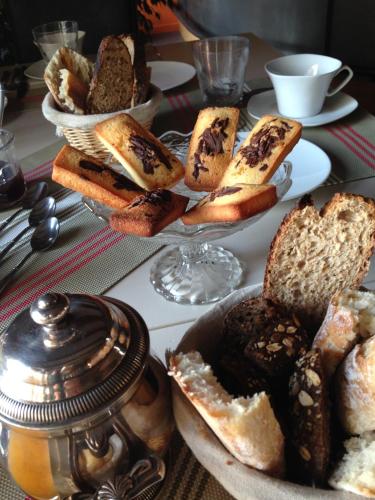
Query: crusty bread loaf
[356, 471]
[74, 88]
[266, 146]
[149, 213]
[147, 160]
[111, 88]
[350, 318]
[72, 93]
[233, 203]
[87, 175]
[316, 254]
[310, 419]
[355, 389]
[247, 427]
[142, 74]
[211, 147]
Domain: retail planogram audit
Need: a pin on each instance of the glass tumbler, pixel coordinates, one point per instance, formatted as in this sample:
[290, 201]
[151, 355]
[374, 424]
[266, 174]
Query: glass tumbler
[12, 183]
[51, 36]
[221, 64]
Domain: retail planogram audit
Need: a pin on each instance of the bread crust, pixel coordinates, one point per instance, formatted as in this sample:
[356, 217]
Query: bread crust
[212, 164]
[355, 389]
[263, 150]
[72, 93]
[119, 133]
[102, 184]
[340, 206]
[246, 202]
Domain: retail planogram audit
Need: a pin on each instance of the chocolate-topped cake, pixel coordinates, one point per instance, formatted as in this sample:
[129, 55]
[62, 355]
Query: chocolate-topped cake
[266, 146]
[93, 178]
[148, 161]
[211, 147]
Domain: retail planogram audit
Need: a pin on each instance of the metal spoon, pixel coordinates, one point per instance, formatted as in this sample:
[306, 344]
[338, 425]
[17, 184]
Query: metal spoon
[45, 208]
[32, 196]
[44, 236]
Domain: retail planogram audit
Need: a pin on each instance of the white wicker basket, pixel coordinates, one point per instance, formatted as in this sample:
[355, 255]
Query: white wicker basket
[79, 129]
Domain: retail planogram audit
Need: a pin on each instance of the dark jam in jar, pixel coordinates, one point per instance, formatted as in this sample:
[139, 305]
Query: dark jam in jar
[12, 185]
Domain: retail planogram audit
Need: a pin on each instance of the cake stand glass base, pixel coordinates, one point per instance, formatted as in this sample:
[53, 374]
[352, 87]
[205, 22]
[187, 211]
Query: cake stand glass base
[196, 273]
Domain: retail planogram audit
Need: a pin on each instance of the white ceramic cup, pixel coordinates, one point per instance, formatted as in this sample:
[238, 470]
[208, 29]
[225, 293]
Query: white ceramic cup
[301, 82]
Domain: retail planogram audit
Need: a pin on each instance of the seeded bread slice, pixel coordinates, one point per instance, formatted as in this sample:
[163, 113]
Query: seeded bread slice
[316, 254]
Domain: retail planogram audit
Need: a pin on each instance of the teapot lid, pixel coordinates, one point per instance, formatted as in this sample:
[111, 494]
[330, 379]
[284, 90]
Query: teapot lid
[68, 357]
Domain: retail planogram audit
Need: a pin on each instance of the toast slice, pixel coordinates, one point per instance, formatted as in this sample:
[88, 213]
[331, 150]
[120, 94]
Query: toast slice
[263, 150]
[147, 160]
[67, 77]
[247, 427]
[231, 204]
[111, 88]
[91, 177]
[316, 254]
[211, 147]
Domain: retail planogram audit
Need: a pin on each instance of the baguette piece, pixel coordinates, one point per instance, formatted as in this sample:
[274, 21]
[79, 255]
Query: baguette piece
[149, 213]
[247, 427]
[83, 173]
[356, 471]
[211, 147]
[147, 160]
[233, 203]
[303, 271]
[111, 88]
[355, 389]
[75, 83]
[262, 152]
[350, 318]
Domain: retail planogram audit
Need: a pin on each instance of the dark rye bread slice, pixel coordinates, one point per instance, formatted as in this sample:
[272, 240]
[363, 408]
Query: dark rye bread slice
[315, 254]
[309, 419]
[111, 88]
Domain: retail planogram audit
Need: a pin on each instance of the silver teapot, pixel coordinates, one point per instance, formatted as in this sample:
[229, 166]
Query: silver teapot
[84, 408]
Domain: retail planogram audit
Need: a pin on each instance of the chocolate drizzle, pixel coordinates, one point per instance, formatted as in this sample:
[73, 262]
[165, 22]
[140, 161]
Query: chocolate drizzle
[89, 165]
[158, 197]
[149, 153]
[210, 143]
[225, 191]
[262, 144]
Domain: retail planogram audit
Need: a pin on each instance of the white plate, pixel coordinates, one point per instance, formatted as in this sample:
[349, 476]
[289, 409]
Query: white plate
[335, 107]
[311, 166]
[169, 74]
[36, 70]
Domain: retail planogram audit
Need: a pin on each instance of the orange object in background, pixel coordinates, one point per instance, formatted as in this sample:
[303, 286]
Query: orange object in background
[168, 21]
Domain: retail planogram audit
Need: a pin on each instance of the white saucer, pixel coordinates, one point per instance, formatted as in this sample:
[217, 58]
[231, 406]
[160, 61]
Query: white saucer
[335, 107]
[36, 70]
[311, 166]
[169, 74]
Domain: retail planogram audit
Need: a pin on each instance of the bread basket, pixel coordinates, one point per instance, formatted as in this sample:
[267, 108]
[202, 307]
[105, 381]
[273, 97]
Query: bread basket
[79, 129]
[242, 482]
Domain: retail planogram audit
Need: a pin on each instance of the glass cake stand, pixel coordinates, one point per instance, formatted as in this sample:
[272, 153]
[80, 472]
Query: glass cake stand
[193, 271]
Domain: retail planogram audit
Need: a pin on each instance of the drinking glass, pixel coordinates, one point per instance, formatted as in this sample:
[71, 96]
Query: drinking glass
[12, 183]
[221, 63]
[51, 36]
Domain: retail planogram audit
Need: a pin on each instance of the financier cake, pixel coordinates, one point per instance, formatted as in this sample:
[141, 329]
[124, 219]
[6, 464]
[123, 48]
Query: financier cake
[232, 203]
[149, 213]
[211, 147]
[87, 175]
[266, 146]
[147, 160]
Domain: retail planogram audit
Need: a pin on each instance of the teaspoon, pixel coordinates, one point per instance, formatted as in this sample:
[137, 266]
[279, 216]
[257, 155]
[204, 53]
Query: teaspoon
[32, 196]
[43, 238]
[45, 208]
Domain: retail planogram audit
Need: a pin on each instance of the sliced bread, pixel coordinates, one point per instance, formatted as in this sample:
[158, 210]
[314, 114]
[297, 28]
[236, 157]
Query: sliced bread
[316, 254]
[247, 427]
[111, 88]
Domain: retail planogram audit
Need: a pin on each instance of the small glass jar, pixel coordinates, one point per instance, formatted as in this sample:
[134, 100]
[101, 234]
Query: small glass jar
[12, 183]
